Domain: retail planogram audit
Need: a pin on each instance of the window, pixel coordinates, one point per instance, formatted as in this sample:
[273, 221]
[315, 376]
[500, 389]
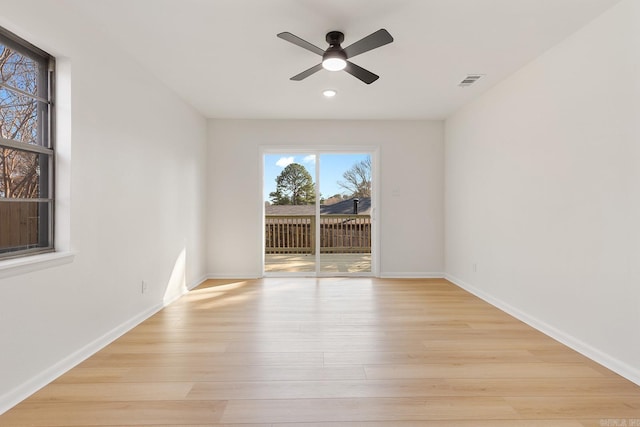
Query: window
[26, 148]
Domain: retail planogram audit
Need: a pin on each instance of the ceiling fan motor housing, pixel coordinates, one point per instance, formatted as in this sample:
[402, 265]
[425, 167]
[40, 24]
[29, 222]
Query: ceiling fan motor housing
[335, 51]
[334, 38]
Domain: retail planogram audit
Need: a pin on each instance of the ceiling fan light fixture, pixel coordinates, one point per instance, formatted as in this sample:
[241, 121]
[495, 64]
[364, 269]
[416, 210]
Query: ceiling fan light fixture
[334, 64]
[329, 93]
[334, 59]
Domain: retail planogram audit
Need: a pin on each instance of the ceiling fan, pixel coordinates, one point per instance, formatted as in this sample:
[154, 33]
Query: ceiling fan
[335, 58]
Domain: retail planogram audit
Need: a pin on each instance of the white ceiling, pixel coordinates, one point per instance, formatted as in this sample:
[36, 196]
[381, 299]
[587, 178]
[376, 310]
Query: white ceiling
[223, 56]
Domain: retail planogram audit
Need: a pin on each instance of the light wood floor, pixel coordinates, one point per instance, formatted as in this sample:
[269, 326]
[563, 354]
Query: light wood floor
[333, 352]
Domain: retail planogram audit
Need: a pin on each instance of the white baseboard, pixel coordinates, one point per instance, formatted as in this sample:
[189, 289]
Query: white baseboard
[629, 372]
[18, 394]
[234, 276]
[189, 287]
[387, 275]
[197, 282]
[414, 275]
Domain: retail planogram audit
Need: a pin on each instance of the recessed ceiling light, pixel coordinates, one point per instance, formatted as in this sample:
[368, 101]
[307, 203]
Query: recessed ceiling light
[329, 93]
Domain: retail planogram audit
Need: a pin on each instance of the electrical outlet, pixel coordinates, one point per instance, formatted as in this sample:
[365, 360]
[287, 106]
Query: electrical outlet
[474, 267]
[144, 287]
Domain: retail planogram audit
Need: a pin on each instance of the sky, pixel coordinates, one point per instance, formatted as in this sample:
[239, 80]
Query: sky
[332, 166]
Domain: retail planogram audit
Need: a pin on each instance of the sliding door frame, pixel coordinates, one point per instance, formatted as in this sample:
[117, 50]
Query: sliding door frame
[373, 151]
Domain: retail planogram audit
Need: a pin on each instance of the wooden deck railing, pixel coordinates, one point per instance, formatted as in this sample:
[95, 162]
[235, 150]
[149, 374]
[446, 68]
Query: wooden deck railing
[19, 224]
[286, 234]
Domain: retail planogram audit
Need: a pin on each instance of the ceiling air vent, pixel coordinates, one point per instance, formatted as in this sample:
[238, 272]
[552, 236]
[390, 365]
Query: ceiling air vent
[470, 79]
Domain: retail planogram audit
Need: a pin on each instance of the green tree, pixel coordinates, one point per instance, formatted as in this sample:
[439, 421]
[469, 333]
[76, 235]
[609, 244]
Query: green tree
[357, 180]
[294, 186]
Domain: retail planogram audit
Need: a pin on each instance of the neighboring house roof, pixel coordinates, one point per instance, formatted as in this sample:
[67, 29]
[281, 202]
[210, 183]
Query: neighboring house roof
[290, 210]
[344, 207]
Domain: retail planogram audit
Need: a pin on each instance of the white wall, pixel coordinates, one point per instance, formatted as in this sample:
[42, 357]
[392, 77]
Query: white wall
[137, 185]
[543, 191]
[410, 207]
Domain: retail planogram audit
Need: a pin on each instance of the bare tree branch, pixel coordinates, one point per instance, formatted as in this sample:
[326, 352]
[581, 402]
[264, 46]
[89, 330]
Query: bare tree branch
[357, 180]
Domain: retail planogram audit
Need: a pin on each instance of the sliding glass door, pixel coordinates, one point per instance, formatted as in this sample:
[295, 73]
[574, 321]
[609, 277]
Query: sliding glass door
[318, 213]
[289, 213]
[345, 213]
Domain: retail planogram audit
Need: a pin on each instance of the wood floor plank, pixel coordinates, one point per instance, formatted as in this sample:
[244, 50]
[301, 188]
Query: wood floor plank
[333, 352]
[575, 407]
[128, 360]
[165, 347]
[67, 414]
[366, 409]
[481, 370]
[491, 343]
[440, 423]
[353, 344]
[243, 373]
[428, 357]
[319, 389]
[202, 425]
[113, 392]
[612, 422]
[102, 375]
[592, 387]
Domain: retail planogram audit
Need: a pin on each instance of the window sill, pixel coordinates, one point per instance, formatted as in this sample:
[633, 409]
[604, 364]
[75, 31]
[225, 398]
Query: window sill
[28, 264]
